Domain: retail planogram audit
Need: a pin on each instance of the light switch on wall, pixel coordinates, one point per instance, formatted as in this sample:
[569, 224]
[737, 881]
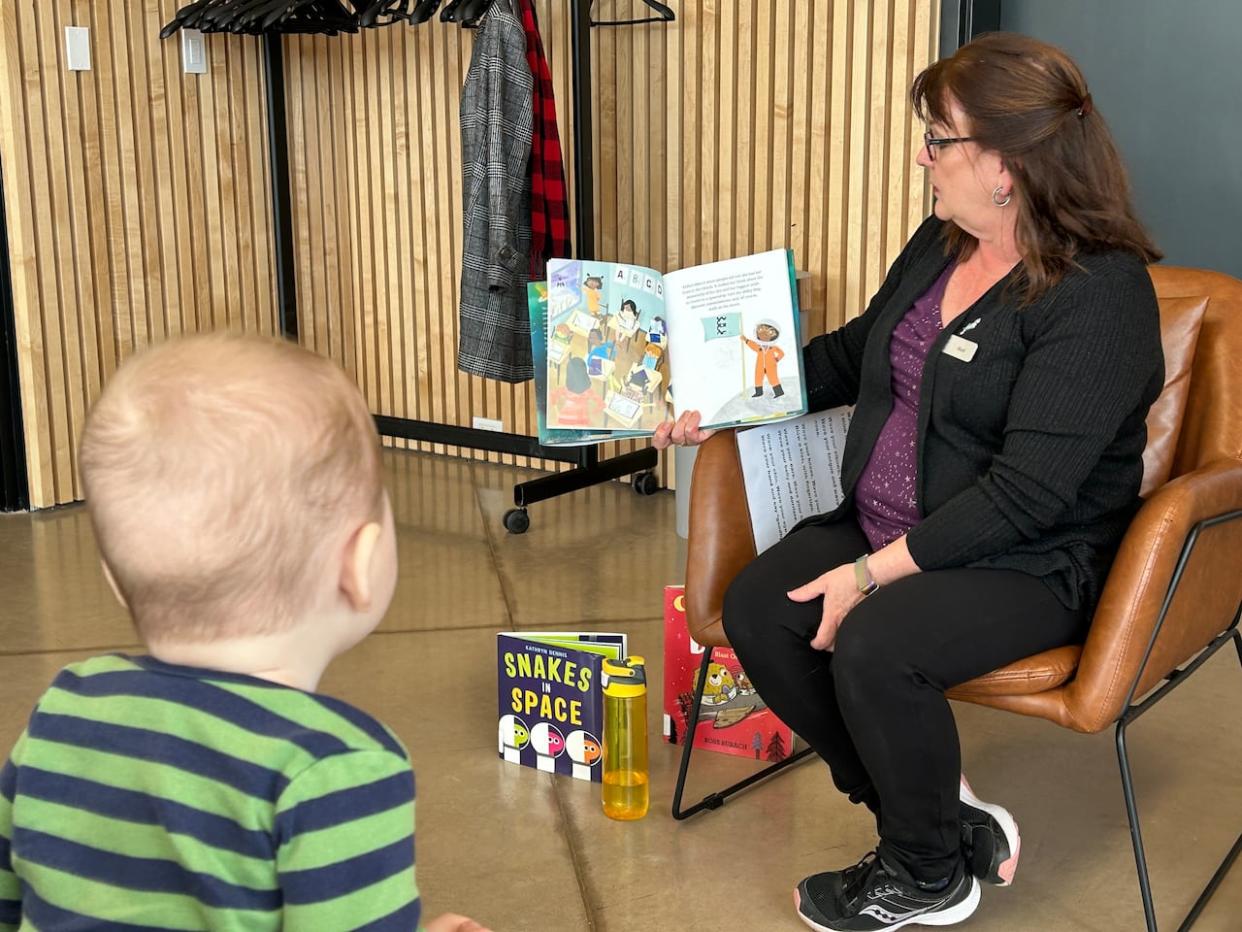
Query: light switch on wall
[78, 48]
[193, 52]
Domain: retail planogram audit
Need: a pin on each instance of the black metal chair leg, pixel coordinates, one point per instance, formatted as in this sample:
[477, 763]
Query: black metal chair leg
[1136, 836]
[1127, 787]
[1212, 885]
[717, 799]
[1229, 858]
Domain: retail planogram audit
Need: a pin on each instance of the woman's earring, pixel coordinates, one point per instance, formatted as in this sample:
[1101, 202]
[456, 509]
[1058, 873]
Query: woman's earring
[998, 200]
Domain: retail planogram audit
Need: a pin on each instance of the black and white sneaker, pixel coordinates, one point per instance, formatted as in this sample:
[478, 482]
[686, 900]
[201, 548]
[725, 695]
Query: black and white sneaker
[990, 840]
[872, 897]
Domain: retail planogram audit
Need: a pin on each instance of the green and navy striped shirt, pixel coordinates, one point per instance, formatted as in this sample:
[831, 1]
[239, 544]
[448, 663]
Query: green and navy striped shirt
[144, 795]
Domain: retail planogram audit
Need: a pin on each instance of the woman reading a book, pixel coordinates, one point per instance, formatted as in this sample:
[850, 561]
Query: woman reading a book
[1001, 379]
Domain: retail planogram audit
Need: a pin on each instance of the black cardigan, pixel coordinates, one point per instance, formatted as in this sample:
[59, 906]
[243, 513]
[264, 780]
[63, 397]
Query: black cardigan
[1029, 455]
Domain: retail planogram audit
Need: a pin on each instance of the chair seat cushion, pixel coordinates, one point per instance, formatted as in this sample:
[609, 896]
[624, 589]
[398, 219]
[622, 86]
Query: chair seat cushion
[1029, 675]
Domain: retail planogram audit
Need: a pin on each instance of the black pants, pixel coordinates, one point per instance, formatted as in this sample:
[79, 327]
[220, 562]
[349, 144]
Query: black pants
[874, 708]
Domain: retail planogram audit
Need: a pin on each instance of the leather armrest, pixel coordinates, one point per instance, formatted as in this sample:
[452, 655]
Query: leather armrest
[1205, 602]
[721, 540]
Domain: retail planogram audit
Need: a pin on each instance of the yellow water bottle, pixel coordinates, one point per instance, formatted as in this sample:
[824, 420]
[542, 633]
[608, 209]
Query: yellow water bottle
[625, 739]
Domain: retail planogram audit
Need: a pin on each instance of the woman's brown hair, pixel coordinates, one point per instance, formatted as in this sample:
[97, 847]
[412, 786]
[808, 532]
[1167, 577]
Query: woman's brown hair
[1027, 101]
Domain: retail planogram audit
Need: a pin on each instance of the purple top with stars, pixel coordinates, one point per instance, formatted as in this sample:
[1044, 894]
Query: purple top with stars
[884, 495]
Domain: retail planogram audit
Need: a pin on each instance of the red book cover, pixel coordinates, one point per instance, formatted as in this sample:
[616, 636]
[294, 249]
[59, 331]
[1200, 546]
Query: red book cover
[732, 718]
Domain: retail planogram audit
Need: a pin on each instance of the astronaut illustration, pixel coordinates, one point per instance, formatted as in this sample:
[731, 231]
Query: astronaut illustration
[549, 744]
[513, 736]
[768, 355]
[584, 750]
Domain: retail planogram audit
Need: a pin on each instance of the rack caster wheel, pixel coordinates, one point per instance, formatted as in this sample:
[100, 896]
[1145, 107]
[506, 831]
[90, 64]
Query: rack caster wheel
[517, 520]
[645, 483]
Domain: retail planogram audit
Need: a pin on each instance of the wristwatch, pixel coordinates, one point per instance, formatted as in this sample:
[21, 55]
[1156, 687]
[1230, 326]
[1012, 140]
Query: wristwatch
[862, 576]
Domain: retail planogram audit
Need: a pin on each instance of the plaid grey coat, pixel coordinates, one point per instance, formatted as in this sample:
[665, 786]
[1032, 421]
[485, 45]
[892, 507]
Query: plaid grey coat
[494, 336]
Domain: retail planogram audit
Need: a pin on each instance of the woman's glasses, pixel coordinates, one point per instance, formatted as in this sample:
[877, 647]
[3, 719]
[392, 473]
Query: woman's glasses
[934, 142]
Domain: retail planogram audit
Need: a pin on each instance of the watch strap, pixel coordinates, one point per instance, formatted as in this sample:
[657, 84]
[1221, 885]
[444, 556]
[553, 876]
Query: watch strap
[862, 576]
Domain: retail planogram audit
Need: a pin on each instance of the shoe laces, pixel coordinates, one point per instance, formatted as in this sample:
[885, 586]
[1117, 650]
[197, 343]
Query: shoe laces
[858, 877]
[872, 879]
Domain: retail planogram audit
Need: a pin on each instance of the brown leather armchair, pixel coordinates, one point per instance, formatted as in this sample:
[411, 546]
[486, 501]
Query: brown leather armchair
[1172, 598]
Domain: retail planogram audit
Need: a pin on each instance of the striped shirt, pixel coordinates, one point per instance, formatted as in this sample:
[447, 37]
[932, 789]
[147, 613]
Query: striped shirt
[145, 795]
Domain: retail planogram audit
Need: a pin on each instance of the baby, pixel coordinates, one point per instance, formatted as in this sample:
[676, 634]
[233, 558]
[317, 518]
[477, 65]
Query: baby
[235, 489]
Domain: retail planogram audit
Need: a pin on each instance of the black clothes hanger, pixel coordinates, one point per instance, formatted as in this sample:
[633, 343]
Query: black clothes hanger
[468, 13]
[328, 17]
[449, 13]
[423, 10]
[187, 16]
[387, 12]
[663, 15]
[315, 16]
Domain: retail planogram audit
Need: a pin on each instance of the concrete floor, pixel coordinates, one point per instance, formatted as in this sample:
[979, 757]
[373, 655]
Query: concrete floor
[521, 850]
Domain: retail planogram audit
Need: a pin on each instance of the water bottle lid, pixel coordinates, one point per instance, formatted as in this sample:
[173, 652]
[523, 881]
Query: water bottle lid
[625, 679]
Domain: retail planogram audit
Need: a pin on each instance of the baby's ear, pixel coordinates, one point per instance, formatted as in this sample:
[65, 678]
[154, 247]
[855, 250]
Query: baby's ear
[355, 580]
[116, 590]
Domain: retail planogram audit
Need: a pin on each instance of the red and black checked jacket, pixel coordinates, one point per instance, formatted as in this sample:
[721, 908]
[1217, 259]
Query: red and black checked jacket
[549, 208]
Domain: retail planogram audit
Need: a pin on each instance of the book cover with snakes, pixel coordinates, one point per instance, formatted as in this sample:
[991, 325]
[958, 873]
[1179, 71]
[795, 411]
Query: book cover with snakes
[733, 718]
[551, 710]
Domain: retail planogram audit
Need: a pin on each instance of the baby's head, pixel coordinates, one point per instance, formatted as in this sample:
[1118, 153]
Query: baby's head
[235, 488]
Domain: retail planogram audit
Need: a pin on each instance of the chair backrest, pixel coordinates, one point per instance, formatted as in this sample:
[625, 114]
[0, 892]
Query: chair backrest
[721, 541]
[1181, 319]
[1212, 426]
[1203, 459]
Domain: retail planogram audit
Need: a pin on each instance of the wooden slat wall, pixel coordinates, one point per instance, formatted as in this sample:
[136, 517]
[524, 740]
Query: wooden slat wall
[375, 158]
[138, 197]
[746, 125]
[137, 200]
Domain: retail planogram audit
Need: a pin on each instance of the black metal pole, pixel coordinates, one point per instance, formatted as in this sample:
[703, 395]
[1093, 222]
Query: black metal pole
[282, 209]
[584, 194]
[584, 170]
[14, 483]
[1136, 835]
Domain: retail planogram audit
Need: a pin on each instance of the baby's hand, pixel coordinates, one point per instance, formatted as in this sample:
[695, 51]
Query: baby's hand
[451, 922]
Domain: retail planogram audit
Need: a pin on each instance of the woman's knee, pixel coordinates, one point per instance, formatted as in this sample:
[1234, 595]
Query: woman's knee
[755, 604]
[864, 654]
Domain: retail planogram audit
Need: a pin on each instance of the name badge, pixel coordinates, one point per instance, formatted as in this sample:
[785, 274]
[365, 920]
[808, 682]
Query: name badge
[961, 349]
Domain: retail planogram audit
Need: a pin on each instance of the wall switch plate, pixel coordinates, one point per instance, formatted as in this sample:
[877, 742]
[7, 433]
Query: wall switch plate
[78, 48]
[193, 51]
[487, 423]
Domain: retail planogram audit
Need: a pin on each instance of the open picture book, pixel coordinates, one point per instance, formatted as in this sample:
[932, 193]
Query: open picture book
[619, 349]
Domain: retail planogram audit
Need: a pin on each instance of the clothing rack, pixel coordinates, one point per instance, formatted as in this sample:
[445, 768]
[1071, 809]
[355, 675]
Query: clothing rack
[588, 469]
